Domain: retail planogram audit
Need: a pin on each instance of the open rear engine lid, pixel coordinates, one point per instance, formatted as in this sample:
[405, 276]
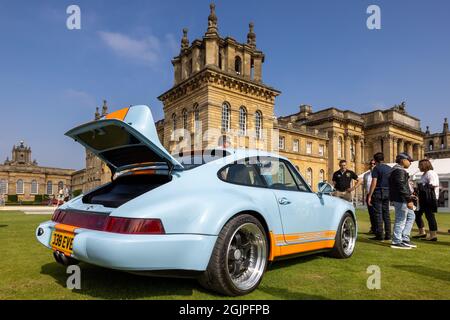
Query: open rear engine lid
[125, 139]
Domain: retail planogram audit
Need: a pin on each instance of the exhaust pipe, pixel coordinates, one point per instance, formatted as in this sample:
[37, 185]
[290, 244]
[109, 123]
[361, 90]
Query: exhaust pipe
[63, 259]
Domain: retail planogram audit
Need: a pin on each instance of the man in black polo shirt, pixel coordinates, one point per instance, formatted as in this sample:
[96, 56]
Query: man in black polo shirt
[342, 181]
[378, 197]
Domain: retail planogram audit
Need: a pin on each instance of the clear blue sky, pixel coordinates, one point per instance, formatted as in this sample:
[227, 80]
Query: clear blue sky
[317, 52]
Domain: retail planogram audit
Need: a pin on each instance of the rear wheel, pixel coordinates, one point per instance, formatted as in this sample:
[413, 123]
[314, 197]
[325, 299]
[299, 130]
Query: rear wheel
[345, 242]
[239, 258]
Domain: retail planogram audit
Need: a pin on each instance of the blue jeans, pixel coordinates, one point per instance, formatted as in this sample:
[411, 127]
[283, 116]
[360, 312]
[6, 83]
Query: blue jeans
[404, 220]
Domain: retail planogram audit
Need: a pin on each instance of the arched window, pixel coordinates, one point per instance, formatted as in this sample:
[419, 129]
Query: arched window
[185, 119]
[321, 175]
[174, 122]
[339, 147]
[34, 187]
[226, 117]
[238, 65]
[196, 117]
[258, 124]
[309, 176]
[60, 185]
[3, 186]
[242, 121]
[49, 187]
[19, 186]
[431, 146]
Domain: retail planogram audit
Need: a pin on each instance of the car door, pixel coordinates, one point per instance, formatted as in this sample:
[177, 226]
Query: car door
[304, 214]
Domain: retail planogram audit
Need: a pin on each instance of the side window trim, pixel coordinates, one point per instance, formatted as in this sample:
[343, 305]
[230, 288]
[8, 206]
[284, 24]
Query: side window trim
[296, 174]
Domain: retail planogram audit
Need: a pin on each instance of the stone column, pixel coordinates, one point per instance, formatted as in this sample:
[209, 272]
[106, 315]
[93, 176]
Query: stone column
[358, 156]
[347, 153]
[409, 148]
[387, 146]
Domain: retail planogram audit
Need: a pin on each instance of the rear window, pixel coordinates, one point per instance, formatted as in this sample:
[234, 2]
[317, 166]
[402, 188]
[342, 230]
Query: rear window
[108, 137]
[195, 159]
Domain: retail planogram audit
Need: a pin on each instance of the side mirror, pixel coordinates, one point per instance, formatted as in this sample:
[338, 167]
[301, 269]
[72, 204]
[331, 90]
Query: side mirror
[325, 188]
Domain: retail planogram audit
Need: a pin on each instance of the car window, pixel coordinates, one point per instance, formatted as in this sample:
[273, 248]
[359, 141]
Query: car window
[277, 175]
[301, 183]
[242, 173]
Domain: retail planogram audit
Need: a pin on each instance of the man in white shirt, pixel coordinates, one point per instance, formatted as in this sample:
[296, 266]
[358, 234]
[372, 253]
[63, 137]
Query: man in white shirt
[367, 180]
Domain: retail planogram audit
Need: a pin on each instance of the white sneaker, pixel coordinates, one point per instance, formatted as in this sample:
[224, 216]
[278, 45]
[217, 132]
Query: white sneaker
[400, 246]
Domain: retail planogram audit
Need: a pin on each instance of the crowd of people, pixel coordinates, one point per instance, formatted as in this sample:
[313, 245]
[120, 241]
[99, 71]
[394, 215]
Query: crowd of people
[387, 186]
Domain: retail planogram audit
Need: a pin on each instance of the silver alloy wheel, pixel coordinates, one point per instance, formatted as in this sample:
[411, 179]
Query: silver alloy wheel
[348, 235]
[246, 256]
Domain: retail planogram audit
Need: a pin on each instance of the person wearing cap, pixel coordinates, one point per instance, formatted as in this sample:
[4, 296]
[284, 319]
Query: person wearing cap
[378, 197]
[401, 195]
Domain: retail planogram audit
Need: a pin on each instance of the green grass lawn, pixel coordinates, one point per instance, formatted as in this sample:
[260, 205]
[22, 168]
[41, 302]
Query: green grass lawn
[28, 271]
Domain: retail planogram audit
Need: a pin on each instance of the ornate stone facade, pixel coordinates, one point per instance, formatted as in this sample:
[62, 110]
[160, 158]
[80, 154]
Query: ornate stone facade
[23, 177]
[219, 95]
[437, 145]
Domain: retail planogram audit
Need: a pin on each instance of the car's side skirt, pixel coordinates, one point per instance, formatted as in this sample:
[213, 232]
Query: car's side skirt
[312, 244]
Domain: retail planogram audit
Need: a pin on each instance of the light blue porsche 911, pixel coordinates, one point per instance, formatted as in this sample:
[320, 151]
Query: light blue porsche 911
[219, 215]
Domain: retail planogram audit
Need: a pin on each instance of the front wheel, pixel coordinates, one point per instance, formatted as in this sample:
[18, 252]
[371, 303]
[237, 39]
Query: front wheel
[345, 241]
[239, 258]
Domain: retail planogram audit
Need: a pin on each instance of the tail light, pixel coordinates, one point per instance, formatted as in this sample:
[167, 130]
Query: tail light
[103, 222]
[134, 226]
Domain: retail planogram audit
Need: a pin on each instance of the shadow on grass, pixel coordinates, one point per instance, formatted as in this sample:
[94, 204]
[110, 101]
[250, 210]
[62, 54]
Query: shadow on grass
[286, 294]
[3, 225]
[104, 283]
[426, 271]
[279, 264]
[375, 242]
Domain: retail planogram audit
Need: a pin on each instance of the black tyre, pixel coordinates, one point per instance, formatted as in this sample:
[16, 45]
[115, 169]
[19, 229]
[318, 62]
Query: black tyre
[345, 241]
[239, 257]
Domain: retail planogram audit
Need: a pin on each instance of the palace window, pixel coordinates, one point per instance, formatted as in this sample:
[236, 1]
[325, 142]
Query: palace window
[49, 187]
[281, 143]
[339, 147]
[321, 150]
[431, 146]
[295, 145]
[19, 186]
[258, 124]
[196, 118]
[226, 115]
[174, 122]
[309, 176]
[238, 65]
[321, 175]
[309, 148]
[60, 185]
[185, 119]
[34, 187]
[3, 186]
[242, 121]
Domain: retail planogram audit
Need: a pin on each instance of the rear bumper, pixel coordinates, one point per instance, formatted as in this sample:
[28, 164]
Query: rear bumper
[137, 252]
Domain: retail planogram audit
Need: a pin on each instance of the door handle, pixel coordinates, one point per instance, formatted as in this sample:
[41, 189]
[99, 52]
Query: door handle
[283, 201]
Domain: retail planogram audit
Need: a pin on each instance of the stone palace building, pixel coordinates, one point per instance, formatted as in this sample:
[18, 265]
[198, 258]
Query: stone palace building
[219, 86]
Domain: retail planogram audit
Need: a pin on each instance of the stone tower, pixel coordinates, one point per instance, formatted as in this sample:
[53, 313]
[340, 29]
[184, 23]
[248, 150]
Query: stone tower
[218, 91]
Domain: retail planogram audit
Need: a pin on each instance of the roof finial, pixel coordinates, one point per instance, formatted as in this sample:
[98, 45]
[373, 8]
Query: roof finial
[104, 108]
[212, 19]
[445, 125]
[251, 36]
[184, 40]
[97, 114]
